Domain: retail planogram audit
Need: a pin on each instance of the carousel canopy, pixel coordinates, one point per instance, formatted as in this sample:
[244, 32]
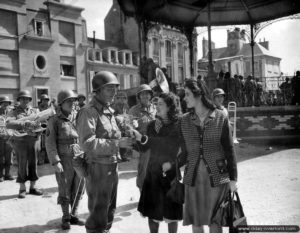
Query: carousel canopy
[193, 13]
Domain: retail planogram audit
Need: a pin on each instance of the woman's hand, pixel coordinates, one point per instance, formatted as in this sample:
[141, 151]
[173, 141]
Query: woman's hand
[136, 135]
[166, 167]
[233, 185]
[58, 168]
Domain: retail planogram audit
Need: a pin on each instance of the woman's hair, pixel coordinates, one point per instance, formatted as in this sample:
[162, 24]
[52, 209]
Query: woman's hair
[199, 89]
[171, 102]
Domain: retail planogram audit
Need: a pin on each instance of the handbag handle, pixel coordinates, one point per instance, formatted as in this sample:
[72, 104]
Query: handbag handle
[231, 212]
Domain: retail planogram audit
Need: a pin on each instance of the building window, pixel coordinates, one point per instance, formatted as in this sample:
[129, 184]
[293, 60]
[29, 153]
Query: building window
[98, 56]
[66, 32]
[90, 55]
[169, 70]
[67, 70]
[180, 74]
[127, 59]
[8, 23]
[168, 49]
[113, 56]
[39, 27]
[180, 52]
[156, 50]
[40, 62]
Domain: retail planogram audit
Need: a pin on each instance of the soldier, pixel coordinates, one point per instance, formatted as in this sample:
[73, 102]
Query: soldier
[61, 139]
[286, 89]
[5, 148]
[242, 91]
[145, 111]
[44, 102]
[218, 96]
[81, 101]
[43, 105]
[100, 138]
[250, 88]
[25, 143]
[258, 93]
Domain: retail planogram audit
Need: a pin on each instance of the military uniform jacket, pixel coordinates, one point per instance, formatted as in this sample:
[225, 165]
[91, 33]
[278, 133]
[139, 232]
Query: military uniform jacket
[17, 114]
[98, 133]
[211, 143]
[60, 135]
[5, 133]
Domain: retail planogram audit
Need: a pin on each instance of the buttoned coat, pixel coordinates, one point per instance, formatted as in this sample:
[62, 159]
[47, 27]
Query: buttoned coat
[212, 143]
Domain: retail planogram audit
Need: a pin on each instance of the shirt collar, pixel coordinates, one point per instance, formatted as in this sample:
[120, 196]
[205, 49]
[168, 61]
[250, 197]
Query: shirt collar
[101, 107]
[195, 119]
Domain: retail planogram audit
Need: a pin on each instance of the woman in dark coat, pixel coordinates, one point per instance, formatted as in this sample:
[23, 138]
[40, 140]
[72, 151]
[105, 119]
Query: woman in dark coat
[163, 142]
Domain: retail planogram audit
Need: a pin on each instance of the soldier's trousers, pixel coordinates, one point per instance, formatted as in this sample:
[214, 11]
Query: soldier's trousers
[5, 157]
[70, 185]
[26, 152]
[101, 187]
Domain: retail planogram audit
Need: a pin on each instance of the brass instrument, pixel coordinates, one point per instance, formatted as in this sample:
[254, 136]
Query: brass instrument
[38, 119]
[232, 119]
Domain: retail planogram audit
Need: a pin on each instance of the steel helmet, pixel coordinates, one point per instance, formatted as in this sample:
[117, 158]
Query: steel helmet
[103, 78]
[64, 95]
[81, 96]
[218, 91]
[44, 97]
[24, 93]
[144, 87]
[4, 98]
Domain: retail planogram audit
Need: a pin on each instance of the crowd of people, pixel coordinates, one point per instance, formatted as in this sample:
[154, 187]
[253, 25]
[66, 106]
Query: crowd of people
[251, 92]
[105, 131]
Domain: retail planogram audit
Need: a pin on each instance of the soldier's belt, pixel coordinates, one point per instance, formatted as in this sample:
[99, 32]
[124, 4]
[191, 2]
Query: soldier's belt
[68, 141]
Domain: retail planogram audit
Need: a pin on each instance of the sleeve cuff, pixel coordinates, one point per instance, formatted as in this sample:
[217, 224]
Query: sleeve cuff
[144, 139]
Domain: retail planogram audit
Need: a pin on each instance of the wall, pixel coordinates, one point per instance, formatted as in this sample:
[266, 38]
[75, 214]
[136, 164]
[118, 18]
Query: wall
[269, 123]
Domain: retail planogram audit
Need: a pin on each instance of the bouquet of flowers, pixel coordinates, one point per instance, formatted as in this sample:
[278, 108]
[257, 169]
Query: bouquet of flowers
[126, 124]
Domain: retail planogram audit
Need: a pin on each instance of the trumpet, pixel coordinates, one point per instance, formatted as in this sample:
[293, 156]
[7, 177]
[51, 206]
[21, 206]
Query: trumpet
[39, 119]
[232, 120]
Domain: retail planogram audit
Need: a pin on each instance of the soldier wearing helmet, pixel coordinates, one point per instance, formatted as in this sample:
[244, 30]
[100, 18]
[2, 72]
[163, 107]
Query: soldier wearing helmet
[25, 142]
[145, 112]
[81, 101]
[100, 138]
[61, 142]
[44, 102]
[218, 96]
[5, 148]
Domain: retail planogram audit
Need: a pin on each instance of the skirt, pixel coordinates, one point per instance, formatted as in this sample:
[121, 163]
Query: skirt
[202, 199]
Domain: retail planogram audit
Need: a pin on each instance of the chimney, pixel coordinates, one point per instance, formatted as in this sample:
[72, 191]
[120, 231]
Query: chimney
[94, 39]
[265, 44]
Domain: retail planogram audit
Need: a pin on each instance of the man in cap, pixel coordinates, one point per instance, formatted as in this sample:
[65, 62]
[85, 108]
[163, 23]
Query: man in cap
[218, 96]
[26, 144]
[100, 138]
[5, 148]
[145, 112]
[61, 140]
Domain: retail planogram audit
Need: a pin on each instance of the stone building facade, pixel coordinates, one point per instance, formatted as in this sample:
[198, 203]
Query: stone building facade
[236, 57]
[167, 46]
[114, 57]
[42, 48]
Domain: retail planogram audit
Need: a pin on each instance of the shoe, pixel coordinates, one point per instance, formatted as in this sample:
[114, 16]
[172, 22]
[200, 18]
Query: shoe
[22, 194]
[1, 179]
[76, 221]
[8, 177]
[35, 191]
[65, 225]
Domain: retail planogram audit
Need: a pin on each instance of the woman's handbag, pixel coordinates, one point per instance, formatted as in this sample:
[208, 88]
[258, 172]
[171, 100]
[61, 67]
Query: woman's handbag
[79, 162]
[176, 192]
[230, 213]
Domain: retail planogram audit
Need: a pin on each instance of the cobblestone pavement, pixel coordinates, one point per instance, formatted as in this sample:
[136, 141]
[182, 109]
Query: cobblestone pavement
[269, 189]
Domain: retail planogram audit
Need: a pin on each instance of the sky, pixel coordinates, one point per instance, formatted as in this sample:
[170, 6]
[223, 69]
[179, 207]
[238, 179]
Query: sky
[283, 36]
